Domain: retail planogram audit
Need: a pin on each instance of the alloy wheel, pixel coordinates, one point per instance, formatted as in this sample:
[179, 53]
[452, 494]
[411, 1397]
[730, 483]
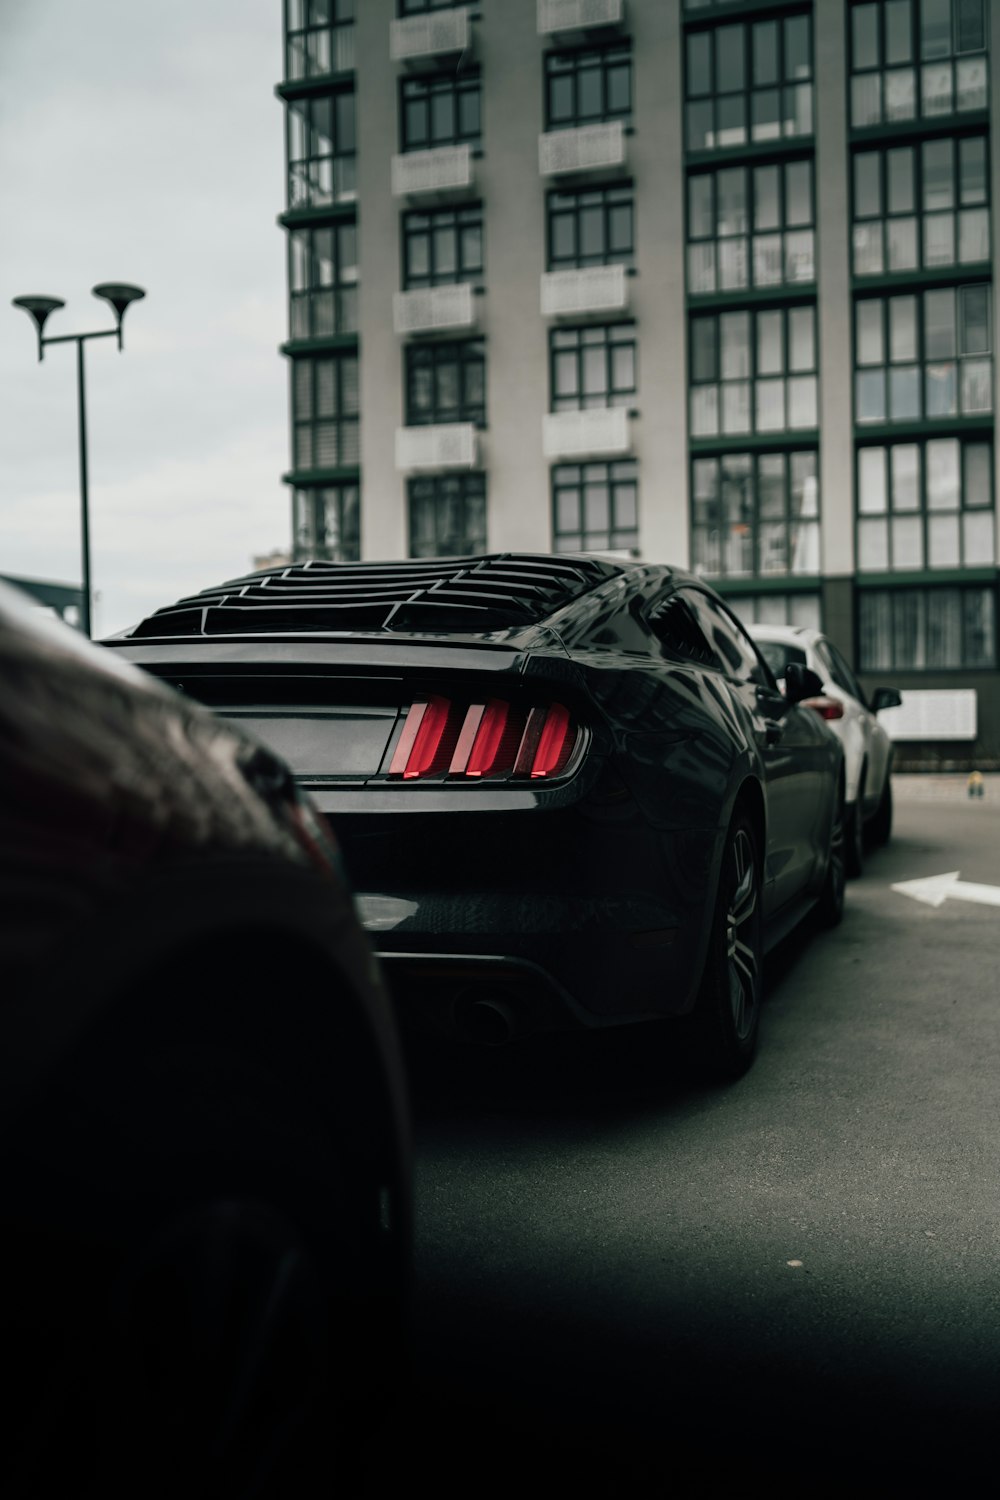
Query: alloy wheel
[742, 924]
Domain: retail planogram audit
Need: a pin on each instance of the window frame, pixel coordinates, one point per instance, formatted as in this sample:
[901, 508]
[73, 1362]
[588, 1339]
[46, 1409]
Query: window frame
[752, 378]
[750, 235]
[896, 597]
[559, 61]
[618, 476]
[471, 212]
[342, 159]
[345, 495]
[919, 214]
[309, 296]
[915, 65]
[611, 196]
[338, 25]
[606, 336]
[783, 85]
[343, 417]
[919, 294]
[464, 355]
[756, 522]
[471, 485]
[424, 87]
[924, 511]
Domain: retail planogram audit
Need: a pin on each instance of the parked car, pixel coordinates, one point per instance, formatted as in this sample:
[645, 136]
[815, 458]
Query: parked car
[568, 790]
[205, 1179]
[867, 747]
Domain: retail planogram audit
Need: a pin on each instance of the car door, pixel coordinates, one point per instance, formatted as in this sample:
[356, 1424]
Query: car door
[791, 744]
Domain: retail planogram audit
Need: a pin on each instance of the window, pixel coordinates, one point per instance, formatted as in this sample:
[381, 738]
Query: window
[321, 150]
[753, 371]
[925, 505]
[447, 515]
[750, 227]
[913, 58]
[595, 507]
[443, 247]
[926, 629]
[592, 228]
[327, 523]
[592, 367]
[749, 82]
[319, 38]
[732, 647]
[923, 355]
[442, 110]
[446, 383]
[921, 206]
[322, 279]
[584, 88]
[755, 514]
[325, 412]
[777, 609]
[676, 627]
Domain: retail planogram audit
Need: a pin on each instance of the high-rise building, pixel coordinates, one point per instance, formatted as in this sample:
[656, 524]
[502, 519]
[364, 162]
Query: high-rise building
[700, 281]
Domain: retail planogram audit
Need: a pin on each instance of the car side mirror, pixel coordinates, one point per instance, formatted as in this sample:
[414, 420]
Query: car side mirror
[801, 682]
[885, 698]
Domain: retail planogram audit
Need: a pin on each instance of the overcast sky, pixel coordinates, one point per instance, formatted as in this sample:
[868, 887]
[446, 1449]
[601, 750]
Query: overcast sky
[142, 142]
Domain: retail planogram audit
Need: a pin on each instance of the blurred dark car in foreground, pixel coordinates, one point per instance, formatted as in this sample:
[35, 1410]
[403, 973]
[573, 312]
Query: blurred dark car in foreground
[568, 790]
[205, 1181]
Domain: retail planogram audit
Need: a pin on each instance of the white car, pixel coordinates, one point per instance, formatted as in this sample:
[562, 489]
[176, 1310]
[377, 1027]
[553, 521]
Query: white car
[867, 747]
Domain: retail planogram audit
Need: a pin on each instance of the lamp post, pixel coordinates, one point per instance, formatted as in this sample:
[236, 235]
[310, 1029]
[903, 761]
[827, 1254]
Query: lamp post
[119, 295]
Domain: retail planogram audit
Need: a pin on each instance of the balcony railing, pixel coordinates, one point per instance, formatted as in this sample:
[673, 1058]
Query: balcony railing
[586, 434]
[420, 38]
[587, 148]
[446, 169]
[575, 15]
[434, 309]
[591, 289]
[452, 445]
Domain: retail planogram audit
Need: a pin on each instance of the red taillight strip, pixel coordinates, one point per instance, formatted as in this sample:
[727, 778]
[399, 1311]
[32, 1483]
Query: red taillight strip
[466, 739]
[488, 737]
[554, 743]
[421, 737]
[827, 708]
[529, 744]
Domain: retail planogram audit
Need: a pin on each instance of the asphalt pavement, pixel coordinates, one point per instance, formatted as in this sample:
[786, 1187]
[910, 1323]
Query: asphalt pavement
[628, 1282]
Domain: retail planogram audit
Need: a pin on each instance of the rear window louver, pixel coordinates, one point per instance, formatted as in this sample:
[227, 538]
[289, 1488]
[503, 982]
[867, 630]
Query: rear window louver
[461, 595]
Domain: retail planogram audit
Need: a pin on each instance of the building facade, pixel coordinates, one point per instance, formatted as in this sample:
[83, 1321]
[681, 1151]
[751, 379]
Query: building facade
[702, 281]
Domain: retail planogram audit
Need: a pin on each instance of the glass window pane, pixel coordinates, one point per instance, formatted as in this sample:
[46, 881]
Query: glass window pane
[703, 357]
[866, 242]
[939, 240]
[770, 354]
[898, 33]
[589, 100]
[591, 231]
[902, 238]
[907, 542]
[799, 256]
[866, 99]
[869, 395]
[905, 461]
[801, 339]
[943, 541]
[864, 37]
[873, 546]
[701, 219]
[798, 193]
[935, 28]
[701, 266]
[618, 83]
[730, 65]
[770, 405]
[802, 403]
[939, 324]
[971, 76]
[765, 53]
[868, 332]
[942, 457]
[936, 89]
[977, 538]
[978, 634]
[900, 94]
[867, 185]
[732, 201]
[734, 337]
[977, 387]
[899, 175]
[767, 263]
[977, 489]
[798, 59]
[705, 410]
[736, 406]
[970, 25]
[766, 199]
[731, 120]
[972, 170]
[902, 329]
[732, 264]
[871, 480]
[699, 63]
[938, 175]
[974, 331]
[904, 393]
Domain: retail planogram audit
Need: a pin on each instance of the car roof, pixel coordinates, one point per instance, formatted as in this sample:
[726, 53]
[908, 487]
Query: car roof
[480, 594]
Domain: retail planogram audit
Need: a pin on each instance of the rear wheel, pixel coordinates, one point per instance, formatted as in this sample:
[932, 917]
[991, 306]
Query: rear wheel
[726, 1019]
[881, 825]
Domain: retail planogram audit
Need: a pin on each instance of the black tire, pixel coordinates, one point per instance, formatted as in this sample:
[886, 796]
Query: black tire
[830, 908]
[880, 827]
[726, 1018]
[855, 832]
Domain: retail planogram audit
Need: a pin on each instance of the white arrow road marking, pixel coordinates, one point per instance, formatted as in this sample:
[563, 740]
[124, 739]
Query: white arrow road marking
[934, 890]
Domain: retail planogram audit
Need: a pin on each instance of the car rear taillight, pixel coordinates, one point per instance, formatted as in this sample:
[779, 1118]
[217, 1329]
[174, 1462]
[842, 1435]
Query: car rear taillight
[490, 740]
[827, 708]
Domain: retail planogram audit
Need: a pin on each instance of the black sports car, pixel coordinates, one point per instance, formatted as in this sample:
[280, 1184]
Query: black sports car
[567, 788]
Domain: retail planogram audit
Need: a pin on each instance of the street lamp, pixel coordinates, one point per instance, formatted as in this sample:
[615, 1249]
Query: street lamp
[119, 294]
